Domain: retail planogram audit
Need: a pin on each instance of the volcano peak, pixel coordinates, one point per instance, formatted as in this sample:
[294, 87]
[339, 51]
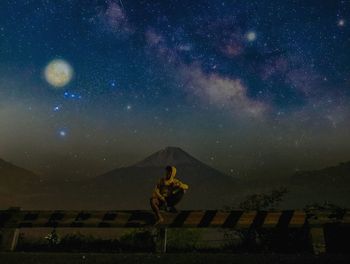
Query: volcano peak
[170, 155]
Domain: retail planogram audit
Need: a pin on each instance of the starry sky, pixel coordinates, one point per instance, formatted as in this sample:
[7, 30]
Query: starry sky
[252, 88]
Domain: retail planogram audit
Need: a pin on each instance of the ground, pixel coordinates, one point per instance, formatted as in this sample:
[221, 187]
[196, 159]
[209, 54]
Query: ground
[83, 258]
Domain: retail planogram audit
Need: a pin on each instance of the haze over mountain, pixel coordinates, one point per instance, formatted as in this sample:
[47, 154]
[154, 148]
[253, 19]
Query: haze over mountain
[130, 187]
[331, 184]
[16, 184]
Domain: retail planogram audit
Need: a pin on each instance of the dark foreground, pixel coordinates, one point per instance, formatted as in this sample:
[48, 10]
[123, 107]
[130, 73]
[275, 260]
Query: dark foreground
[68, 258]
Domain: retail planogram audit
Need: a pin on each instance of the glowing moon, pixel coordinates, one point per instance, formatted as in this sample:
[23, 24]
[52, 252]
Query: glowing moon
[58, 73]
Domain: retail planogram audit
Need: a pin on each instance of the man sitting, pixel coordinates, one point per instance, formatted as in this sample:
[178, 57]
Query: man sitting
[167, 193]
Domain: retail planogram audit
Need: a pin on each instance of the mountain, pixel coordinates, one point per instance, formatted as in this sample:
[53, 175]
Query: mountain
[15, 184]
[331, 175]
[131, 187]
[15, 178]
[170, 155]
[330, 184]
[123, 188]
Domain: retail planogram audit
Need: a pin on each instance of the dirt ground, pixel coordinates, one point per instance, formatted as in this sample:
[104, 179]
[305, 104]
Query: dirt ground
[82, 258]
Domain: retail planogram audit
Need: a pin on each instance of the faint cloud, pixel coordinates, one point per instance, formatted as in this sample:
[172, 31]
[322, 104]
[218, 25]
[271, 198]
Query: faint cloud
[211, 88]
[224, 35]
[275, 66]
[113, 19]
[221, 91]
[153, 38]
[158, 43]
[294, 71]
[184, 47]
[232, 49]
[304, 80]
[232, 44]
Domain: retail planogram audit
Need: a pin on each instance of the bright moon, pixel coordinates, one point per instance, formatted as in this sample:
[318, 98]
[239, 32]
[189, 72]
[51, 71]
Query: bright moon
[58, 73]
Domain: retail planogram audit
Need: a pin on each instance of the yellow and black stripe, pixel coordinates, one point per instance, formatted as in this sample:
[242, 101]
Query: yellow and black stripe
[193, 219]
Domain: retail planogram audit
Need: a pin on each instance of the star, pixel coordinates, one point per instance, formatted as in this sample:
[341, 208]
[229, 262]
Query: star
[251, 36]
[62, 133]
[112, 83]
[72, 95]
[57, 108]
[341, 22]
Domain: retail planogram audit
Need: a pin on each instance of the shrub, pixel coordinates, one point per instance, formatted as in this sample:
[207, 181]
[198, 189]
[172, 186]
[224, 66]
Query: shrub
[254, 240]
[137, 240]
[183, 239]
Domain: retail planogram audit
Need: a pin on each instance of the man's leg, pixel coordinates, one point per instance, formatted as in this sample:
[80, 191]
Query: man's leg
[155, 207]
[174, 199]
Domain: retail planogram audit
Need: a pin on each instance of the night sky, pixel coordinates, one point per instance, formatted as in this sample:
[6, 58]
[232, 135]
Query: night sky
[252, 88]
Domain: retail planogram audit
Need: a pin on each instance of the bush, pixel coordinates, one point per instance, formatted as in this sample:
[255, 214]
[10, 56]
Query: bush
[32, 244]
[263, 201]
[254, 240]
[183, 239]
[138, 240]
[69, 243]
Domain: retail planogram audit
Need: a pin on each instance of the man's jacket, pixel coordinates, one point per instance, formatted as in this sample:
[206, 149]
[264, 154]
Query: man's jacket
[166, 188]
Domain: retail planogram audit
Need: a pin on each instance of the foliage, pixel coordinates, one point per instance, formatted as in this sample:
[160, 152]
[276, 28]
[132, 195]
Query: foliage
[37, 244]
[139, 240]
[52, 238]
[183, 239]
[69, 243]
[263, 201]
[254, 240]
[325, 206]
[136, 240]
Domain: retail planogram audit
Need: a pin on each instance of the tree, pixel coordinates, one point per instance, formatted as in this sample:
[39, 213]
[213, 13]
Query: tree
[263, 201]
[254, 239]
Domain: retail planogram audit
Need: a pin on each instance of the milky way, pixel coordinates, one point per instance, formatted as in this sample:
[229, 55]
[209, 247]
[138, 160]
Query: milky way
[249, 87]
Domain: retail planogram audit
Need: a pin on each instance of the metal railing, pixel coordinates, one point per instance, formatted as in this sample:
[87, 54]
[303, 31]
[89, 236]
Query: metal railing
[12, 219]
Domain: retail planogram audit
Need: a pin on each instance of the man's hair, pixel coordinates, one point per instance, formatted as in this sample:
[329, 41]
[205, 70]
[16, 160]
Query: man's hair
[168, 168]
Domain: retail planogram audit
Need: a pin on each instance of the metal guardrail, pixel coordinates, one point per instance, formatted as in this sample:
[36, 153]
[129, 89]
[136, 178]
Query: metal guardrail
[11, 220]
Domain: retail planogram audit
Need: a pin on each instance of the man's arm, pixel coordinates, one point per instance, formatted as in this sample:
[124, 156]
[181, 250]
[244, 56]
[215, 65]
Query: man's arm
[180, 184]
[158, 194]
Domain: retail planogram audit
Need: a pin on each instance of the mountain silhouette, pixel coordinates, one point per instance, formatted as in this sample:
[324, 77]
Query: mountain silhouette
[338, 174]
[330, 184]
[131, 187]
[14, 177]
[16, 184]
[170, 155]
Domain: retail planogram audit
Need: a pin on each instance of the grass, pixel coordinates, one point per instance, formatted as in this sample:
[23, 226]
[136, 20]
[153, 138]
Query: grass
[89, 258]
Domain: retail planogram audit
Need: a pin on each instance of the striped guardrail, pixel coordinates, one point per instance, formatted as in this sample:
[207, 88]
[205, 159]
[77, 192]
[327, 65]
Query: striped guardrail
[191, 218]
[13, 219]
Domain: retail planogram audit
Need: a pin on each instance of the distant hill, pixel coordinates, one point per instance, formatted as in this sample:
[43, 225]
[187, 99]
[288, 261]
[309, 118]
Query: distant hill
[16, 178]
[339, 175]
[15, 184]
[331, 184]
[130, 187]
[123, 188]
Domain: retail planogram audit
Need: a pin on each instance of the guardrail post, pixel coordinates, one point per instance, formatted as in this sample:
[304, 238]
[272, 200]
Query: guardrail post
[9, 235]
[9, 238]
[318, 240]
[161, 241]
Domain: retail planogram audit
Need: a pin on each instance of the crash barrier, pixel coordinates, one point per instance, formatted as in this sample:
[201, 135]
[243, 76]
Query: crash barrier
[12, 219]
